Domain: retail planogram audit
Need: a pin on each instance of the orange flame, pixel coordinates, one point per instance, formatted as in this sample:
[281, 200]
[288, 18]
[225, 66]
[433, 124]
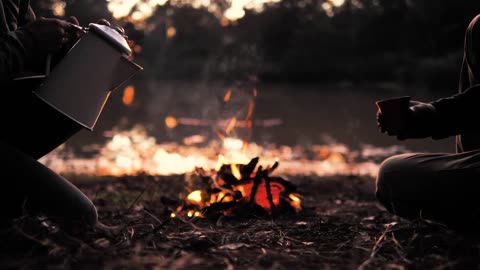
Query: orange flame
[220, 161]
[231, 126]
[220, 197]
[236, 171]
[296, 202]
[227, 96]
[220, 135]
[336, 158]
[195, 197]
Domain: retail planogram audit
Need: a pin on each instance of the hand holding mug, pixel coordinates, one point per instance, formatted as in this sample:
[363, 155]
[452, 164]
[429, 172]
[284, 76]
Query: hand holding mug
[406, 119]
[392, 114]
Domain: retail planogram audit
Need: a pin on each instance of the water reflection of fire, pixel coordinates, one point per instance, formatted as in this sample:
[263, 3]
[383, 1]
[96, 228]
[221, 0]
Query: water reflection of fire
[134, 152]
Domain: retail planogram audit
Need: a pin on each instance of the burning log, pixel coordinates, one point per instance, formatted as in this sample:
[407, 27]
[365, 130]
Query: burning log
[240, 190]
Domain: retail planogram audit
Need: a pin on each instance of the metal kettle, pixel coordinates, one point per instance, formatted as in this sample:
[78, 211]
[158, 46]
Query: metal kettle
[80, 84]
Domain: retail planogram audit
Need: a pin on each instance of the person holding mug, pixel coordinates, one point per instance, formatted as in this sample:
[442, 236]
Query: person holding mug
[438, 186]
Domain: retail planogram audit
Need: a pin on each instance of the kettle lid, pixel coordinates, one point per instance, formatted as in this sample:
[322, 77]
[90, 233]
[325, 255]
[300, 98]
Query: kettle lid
[112, 36]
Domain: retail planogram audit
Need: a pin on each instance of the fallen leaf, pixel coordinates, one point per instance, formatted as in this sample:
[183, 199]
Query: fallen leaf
[102, 243]
[234, 246]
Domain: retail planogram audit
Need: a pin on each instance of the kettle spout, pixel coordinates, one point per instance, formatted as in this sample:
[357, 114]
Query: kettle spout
[125, 70]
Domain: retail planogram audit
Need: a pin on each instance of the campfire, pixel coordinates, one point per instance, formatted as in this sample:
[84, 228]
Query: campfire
[238, 189]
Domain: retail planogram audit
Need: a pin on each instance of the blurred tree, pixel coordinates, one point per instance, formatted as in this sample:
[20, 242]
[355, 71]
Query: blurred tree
[88, 11]
[411, 41]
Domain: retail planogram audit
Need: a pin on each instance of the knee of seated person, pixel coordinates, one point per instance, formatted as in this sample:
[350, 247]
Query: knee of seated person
[91, 215]
[386, 181]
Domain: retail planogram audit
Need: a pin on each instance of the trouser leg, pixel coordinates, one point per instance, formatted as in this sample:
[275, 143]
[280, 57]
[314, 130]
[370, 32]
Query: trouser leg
[31, 129]
[468, 142]
[33, 126]
[30, 186]
[441, 187]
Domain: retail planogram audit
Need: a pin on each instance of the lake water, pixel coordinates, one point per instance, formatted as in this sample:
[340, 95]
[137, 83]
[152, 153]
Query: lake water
[310, 114]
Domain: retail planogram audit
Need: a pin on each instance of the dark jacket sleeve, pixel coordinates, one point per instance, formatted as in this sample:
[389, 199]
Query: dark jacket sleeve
[15, 49]
[457, 114]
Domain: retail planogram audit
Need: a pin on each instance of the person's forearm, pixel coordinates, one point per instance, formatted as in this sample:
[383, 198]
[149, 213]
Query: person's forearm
[457, 114]
[15, 49]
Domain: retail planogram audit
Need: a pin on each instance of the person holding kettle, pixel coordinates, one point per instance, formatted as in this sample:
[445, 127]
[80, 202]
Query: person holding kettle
[31, 129]
[437, 186]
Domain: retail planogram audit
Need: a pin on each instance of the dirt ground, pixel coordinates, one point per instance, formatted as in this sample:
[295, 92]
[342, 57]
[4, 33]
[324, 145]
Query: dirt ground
[342, 227]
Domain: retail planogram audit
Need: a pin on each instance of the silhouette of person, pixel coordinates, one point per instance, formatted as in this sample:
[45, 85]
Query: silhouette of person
[438, 186]
[31, 128]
